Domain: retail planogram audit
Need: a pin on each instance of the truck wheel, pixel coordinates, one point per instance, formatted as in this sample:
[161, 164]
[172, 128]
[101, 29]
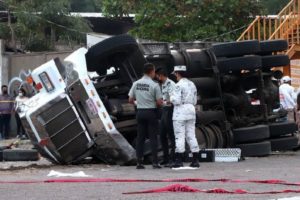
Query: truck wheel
[275, 61]
[226, 65]
[255, 149]
[210, 101]
[232, 49]
[218, 133]
[20, 155]
[201, 138]
[205, 83]
[101, 53]
[284, 143]
[282, 128]
[201, 129]
[251, 134]
[207, 117]
[269, 46]
[199, 62]
[213, 137]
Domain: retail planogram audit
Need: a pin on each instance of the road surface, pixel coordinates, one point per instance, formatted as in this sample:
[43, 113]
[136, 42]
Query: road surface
[280, 166]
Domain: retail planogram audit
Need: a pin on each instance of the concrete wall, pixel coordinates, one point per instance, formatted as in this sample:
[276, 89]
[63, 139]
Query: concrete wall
[11, 64]
[18, 62]
[3, 65]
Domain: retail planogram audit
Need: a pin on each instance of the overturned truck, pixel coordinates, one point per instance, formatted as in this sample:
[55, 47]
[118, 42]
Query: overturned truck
[73, 116]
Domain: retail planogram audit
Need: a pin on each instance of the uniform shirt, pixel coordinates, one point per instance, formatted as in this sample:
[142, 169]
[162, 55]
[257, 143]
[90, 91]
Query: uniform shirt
[287, 94]
[184, 99]
[167, 88]
[146, 92]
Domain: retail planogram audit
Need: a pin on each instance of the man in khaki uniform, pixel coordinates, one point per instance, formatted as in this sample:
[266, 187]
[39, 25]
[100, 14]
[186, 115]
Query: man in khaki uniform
[147, 95]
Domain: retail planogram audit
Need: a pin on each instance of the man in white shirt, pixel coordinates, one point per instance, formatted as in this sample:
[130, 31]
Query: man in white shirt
[287, 94]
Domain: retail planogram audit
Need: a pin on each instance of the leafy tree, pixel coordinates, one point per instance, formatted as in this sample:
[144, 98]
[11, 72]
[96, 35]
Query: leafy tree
[185, 20]
[83, 6]
[117, 8]
[273, 7]
[41, 24]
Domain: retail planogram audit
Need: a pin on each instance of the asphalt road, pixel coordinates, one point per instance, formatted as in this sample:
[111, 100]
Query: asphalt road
[286, 167]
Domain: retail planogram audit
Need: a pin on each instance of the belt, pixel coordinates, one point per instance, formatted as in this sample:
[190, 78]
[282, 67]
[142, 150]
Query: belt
[167, 107]
[187, 104]
[146, 109]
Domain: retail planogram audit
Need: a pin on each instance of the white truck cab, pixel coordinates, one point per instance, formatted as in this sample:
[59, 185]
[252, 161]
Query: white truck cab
[66, 120]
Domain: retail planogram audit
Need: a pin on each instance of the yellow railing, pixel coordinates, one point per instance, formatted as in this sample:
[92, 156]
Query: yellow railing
[260, 29]
[274, 27]
[288, 30]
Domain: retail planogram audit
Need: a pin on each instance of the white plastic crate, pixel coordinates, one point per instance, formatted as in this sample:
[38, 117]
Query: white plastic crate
[227, 155]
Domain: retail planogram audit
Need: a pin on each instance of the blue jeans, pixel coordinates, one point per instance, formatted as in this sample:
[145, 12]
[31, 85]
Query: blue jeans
[5, 125]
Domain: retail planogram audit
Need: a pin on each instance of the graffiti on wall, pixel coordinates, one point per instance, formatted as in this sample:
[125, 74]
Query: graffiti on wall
[21, 82]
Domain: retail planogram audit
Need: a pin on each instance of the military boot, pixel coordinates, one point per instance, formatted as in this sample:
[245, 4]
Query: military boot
[155, 163]
[195, 161]
[140, 164]
[178, 161]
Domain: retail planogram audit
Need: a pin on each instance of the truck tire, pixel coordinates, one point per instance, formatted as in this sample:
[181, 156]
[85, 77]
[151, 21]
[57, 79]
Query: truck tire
[282, 128]
[20, 155]
[284, 143]
[207, 117]
[198, 62]
[226, 65]
[201, 138]
[201, 129]
[99, 54]
[210, 101]
[251, 134]
[205, 83]
[213, 137]
[269, 46]
[275, 61]
[218, 133]
[255, 149]
[232, 49]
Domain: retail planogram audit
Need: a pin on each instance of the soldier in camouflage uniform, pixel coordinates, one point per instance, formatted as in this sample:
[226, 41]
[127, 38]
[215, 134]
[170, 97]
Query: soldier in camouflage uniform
[184, 99]
[166, 122]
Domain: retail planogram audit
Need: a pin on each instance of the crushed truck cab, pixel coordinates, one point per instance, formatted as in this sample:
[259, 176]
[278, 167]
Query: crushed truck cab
[66, 120]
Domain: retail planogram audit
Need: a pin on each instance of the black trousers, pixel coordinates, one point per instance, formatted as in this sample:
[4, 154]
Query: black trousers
[5, 125]
[20, 128]
[167, 136]
[147, 125]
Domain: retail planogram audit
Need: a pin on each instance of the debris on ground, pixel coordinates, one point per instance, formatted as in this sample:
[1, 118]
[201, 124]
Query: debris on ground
[57, 174]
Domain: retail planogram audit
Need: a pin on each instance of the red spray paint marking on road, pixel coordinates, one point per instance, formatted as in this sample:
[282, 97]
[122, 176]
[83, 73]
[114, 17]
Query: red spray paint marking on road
[175, 187]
